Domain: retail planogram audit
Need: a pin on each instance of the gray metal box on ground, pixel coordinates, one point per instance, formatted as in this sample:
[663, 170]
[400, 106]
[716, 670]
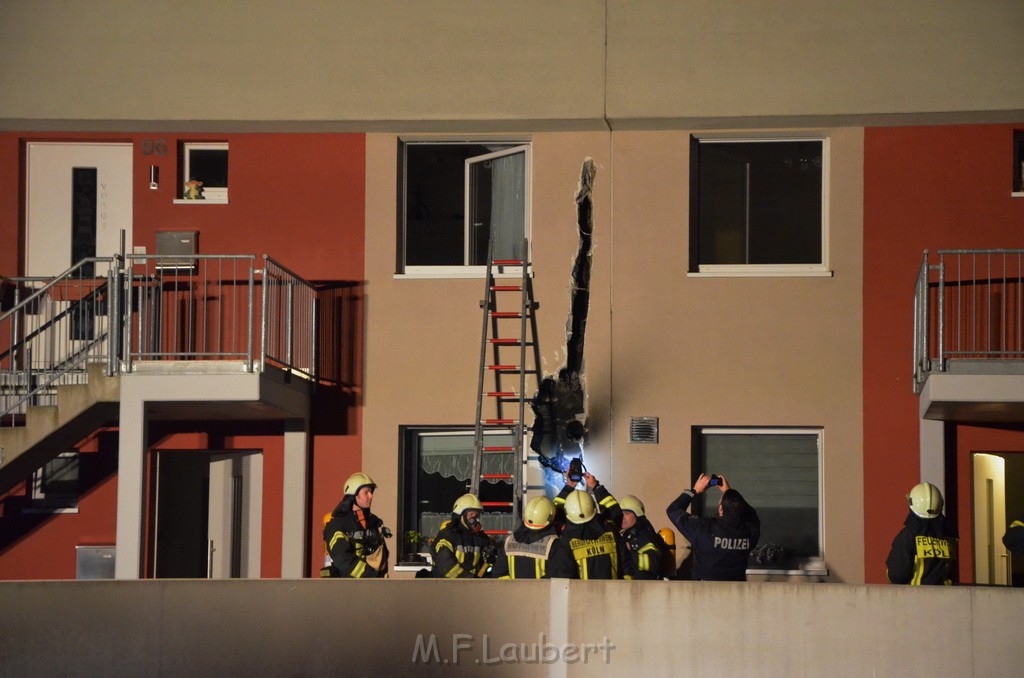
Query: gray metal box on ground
[94, 562]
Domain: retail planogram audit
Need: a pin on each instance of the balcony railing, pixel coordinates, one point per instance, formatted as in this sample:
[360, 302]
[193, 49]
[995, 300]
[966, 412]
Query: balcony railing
[968, 312]
[122, 310]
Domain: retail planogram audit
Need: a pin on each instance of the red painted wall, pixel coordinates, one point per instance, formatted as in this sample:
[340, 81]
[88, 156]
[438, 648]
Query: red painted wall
[298, 198]
[924, 188]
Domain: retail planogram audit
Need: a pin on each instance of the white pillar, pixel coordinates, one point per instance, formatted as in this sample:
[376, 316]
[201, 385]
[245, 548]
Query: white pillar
[294, 545]
[933, 453]
[131, 494]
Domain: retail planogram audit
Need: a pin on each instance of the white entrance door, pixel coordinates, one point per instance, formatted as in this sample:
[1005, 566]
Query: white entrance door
[990, 560]
[236, 509]
[78, 199]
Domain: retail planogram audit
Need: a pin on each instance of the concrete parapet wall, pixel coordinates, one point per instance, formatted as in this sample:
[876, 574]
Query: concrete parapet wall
[421, 627]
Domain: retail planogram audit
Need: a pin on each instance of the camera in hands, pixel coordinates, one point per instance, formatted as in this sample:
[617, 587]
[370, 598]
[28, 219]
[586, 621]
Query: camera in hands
[715, 481]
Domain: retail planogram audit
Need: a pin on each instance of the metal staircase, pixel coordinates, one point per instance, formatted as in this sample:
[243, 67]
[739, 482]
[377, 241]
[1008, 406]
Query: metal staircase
[65, 341]
[509, 370]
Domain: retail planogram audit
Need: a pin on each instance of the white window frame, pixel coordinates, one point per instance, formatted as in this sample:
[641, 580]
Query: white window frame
[465, 270]
[810, 566]
[215, 194]
[821, 269]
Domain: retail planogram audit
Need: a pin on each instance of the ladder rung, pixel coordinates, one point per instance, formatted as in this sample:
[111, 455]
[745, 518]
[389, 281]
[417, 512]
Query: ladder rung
[497, 476]
[504, 368]
[496, 503]
[506, 288]
[495, 531]
[502, 394]
[500, 448]
[506, 314]
[499, 422]
[508, 342]
[507, 262]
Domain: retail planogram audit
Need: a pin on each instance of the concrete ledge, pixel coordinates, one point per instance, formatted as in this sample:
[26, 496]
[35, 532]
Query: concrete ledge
[421, 627]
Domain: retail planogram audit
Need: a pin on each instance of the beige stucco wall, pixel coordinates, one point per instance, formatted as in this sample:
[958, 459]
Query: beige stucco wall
[329, 64]
[691, 351]
[423, 335]
[336, 627]
[734, 351]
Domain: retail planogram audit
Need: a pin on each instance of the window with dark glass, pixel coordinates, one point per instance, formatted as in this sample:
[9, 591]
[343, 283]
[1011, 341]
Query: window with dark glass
[756, 203]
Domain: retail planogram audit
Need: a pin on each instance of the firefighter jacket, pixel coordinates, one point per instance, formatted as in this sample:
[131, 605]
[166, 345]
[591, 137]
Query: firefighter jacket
[721, 545]
[1013, 540]
[606, 504]
[357, 548]
[459, 553]
[923, 552]
[596, 548]
[533, 554]
[644, 550]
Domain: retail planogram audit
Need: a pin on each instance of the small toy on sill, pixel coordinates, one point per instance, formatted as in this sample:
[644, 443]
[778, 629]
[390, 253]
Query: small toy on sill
[193, 190]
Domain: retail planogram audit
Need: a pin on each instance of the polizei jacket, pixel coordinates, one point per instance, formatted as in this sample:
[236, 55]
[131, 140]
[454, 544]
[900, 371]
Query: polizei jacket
[720, 545]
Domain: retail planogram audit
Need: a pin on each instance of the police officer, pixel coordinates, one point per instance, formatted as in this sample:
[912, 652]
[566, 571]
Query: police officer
[354, 536]
[643, 545]
[721, 545]
[461, 548]
[533, 550]
[924, 551]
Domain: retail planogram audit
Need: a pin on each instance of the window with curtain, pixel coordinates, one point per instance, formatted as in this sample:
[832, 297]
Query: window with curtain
[457, 197]
[436, 467]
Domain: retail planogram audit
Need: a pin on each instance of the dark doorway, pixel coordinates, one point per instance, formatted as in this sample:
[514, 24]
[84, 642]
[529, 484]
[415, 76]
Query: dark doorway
[183, 507]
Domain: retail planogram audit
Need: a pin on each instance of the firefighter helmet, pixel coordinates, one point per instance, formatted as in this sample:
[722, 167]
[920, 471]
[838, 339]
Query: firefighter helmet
[579, 507]
[467, 502]
[925, 500]
[631, 503]
[539, 513]
[357, 481]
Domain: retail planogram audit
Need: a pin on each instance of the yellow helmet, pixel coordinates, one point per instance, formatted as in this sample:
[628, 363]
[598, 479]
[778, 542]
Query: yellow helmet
[631, 503]
[539, 513]
[357, 481]
[925, 500]
[579, 507]
[467, 502]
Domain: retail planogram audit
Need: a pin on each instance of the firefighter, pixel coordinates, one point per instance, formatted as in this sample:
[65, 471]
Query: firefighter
[533, 550]
[593, 539]
[644, 546]
[924, 551]
[354, 536]
[461, 548]
[1013, 540]
[607, 504]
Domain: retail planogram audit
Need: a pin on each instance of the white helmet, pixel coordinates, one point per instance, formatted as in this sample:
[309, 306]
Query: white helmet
[539, 513]
[631, 503]
[925, 500]
[467, 502]
[357, 481]
[579, 507]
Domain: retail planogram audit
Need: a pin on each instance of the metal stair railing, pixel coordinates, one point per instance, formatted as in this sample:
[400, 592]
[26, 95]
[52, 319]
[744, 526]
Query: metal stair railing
[49, 335]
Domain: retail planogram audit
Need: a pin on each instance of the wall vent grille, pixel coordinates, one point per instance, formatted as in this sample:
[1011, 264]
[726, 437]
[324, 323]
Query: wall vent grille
[643, 429]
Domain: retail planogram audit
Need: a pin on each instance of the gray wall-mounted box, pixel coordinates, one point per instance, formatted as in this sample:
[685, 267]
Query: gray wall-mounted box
[94, 562]
[179, 245]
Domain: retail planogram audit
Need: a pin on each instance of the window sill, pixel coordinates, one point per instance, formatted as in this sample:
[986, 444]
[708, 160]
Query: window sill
[458, 273]
[1017, 194]
[809, 572]
[204, 201]
[760, 272]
